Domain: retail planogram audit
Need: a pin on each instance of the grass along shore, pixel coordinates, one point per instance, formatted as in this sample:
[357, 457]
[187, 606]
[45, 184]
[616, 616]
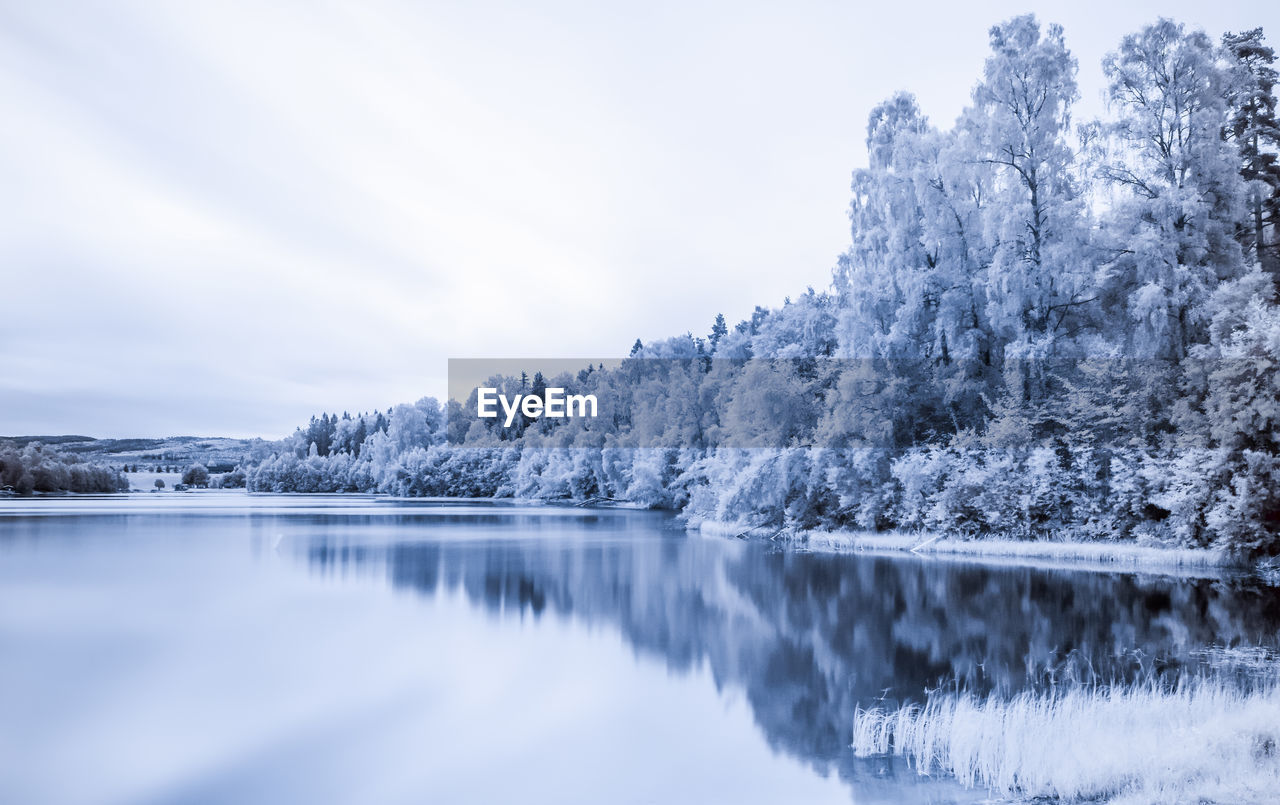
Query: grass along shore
[1204, 740]
[1105, 555]
[1110, 553]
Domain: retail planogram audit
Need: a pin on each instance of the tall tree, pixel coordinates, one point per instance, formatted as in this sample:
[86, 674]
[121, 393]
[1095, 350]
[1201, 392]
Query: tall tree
[1173, 232]
[1256, 132]
[718, 330]
[875, 274]
[1020, 121]
[911, 287]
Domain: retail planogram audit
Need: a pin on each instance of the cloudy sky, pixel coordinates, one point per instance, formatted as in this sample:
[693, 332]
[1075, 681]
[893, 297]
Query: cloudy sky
[221, 217]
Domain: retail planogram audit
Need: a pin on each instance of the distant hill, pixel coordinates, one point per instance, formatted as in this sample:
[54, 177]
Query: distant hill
[179, 450]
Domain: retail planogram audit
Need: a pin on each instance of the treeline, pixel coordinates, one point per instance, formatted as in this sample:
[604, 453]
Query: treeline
[400, 452]
[990, 263]
[37, 468]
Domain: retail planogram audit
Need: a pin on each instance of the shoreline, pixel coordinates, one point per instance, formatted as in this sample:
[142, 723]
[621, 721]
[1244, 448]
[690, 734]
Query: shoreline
[1100, 556]
[1043, 554]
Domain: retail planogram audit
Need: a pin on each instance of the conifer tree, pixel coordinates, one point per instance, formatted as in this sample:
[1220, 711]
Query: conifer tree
[1254, 128]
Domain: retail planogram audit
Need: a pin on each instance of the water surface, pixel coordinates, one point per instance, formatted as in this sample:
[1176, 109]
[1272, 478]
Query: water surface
[231, 648]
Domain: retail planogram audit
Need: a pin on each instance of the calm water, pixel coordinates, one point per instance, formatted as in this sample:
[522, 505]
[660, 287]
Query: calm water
[224, 648]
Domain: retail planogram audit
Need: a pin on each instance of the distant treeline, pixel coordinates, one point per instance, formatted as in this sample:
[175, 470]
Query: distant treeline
[36, 468]
[983, 257]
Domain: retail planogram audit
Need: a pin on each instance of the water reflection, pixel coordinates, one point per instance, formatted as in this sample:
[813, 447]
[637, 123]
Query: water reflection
[807, 637]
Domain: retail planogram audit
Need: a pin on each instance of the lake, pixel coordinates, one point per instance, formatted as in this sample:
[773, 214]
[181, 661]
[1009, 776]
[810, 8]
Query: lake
[232, 648]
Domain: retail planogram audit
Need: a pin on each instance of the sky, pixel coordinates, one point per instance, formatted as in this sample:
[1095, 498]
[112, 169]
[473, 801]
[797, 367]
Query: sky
[220, 218]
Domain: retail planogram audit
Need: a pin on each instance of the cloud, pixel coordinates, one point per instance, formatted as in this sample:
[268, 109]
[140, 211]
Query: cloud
[223, 217]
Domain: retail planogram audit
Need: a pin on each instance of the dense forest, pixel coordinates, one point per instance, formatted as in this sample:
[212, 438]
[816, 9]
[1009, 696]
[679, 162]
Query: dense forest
[34, 467]
[1041, 328]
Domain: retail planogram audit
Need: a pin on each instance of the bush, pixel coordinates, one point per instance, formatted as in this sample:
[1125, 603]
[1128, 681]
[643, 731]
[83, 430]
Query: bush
[196, 475]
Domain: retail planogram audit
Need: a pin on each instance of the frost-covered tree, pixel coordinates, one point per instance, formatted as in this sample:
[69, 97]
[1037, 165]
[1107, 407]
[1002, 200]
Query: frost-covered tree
[875, 274]
[196, 475]
[1020, 122]
[1254, 128]
[1244, 411]
[1172, 233]
[719, 329]
[908, 287]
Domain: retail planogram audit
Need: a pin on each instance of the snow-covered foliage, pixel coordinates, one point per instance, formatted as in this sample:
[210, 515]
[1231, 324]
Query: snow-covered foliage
[1039, 329]
[35, 467]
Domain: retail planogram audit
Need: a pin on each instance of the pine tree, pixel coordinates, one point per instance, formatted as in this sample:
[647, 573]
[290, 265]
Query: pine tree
[1254, 128]
[718, 330]
[357, 440]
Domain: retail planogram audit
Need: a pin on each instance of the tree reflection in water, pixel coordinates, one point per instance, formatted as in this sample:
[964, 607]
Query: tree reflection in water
[807, 637]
